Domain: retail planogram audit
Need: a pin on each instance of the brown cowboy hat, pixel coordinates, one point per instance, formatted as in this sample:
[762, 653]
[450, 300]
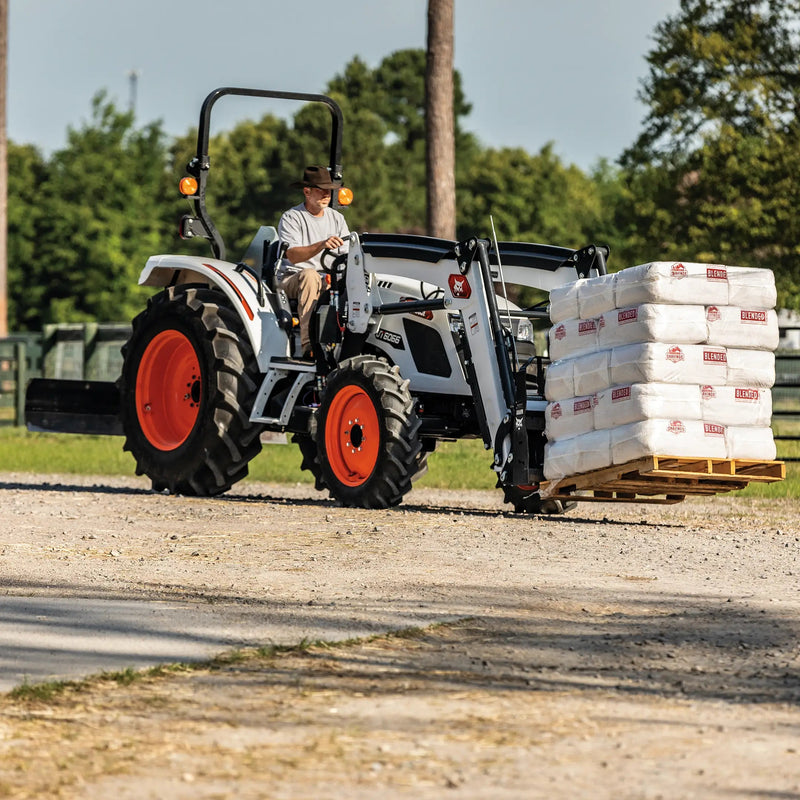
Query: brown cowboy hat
[317, 177]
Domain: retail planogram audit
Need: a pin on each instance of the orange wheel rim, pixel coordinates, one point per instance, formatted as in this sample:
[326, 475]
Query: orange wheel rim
[168, 390]
[352, 436]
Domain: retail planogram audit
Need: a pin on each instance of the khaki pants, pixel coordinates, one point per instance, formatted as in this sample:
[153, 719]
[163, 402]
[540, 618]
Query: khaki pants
[304, 286]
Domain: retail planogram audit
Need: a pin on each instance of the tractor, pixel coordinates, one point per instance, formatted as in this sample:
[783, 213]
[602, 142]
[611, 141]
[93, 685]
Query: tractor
[415, 342]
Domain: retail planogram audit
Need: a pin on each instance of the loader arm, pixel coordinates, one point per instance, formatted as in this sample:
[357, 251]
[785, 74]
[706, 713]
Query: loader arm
[463, 273]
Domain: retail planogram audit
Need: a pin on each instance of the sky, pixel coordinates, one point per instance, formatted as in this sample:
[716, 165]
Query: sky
[535, 71]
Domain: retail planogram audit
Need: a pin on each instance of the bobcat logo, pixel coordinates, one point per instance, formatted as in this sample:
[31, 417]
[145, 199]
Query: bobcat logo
[459, 286]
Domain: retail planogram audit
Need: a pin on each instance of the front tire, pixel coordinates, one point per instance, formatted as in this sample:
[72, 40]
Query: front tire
[188, 382]
[368, 445]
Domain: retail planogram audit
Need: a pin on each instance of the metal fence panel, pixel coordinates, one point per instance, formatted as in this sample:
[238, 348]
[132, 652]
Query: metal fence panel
[13, 380]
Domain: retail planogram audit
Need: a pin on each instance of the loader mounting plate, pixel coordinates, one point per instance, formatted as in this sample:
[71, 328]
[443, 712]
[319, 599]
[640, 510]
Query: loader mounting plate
[663, 479]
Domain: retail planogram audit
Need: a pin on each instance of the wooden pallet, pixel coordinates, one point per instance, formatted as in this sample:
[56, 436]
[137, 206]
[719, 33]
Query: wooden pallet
[646, 479]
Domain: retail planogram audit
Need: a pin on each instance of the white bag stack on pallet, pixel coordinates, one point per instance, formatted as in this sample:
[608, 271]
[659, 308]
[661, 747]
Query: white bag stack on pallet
[671, 359]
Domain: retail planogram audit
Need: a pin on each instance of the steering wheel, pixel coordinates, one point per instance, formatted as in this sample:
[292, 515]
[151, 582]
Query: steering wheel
[332, 268]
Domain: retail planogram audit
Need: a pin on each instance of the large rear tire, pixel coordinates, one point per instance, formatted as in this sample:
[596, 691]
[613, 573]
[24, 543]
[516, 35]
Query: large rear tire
[188, 382]
[368, 445]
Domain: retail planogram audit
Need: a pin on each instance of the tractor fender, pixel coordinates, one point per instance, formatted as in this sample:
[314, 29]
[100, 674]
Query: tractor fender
[240, 287]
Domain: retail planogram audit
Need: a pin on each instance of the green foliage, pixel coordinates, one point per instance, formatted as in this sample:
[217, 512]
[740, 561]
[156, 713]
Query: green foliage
[719, 63]
[98, 220]
[527, 197]
[384, 111]
[712, 177]
[26, 174]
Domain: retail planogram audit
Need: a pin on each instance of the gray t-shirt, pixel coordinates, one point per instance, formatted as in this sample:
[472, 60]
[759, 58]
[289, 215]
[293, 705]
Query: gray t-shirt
[298, 227]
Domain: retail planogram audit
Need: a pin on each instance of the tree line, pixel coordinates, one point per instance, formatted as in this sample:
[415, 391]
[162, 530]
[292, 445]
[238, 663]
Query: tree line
[711, 177]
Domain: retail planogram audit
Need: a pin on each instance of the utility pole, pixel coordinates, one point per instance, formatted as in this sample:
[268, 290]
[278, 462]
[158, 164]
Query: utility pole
[3, 171]
[133, 78]
[440, 150]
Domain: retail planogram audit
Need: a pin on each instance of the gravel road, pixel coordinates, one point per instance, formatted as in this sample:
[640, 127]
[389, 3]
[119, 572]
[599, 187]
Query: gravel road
[618, 651]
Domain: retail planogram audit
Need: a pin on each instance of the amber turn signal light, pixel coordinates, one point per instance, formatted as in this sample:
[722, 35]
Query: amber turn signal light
[188, 186]
[345, 196]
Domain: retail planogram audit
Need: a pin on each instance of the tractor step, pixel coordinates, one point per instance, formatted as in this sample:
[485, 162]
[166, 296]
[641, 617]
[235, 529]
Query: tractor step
[70, 406]
[644, 480]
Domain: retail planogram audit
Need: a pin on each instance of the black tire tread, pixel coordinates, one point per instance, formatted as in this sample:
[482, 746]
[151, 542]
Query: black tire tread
[221, 446]
[401, 458]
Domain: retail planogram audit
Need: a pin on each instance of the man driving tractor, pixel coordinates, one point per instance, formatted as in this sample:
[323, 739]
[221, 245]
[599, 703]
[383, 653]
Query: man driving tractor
[307, 230]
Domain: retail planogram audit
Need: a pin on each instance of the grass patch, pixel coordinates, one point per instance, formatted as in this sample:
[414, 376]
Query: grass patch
[23, 451]
[463, 465]
[51, 691]
[44, 692]
[455, 465]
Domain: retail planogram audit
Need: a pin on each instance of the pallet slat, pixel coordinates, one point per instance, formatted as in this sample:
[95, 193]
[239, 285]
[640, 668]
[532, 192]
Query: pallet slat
[675, 477]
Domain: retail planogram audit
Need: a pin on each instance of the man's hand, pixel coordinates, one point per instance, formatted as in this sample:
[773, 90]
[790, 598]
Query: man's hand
[332, 242]
[302, 253]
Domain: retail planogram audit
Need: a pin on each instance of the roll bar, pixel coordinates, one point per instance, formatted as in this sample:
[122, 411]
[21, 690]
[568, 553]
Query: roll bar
[201, 224]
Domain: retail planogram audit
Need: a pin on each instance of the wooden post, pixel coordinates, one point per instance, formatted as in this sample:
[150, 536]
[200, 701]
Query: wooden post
[440, 151]
[3, 172]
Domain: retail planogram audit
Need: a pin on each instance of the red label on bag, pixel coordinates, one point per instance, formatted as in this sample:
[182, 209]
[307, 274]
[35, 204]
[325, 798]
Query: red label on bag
[746, 395]
[717, 274]
[759, 317]
[582, 406]
[586, 326]
[675, 355]
[628, 315]
[555, 411]
[707, 392]
[560, 332]
[712, 314]
[711, 429]
[678, 271]
[714, 357]
[676, 427]
[618, 395]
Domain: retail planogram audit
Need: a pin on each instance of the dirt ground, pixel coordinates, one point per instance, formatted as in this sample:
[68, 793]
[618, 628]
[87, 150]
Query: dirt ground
[619, 651]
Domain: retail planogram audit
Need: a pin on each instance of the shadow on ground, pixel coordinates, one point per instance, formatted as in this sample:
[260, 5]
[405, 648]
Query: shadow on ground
[694, 646]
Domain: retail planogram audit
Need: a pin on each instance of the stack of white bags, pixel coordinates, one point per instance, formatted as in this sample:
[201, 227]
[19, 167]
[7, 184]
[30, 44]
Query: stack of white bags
[672, 359]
